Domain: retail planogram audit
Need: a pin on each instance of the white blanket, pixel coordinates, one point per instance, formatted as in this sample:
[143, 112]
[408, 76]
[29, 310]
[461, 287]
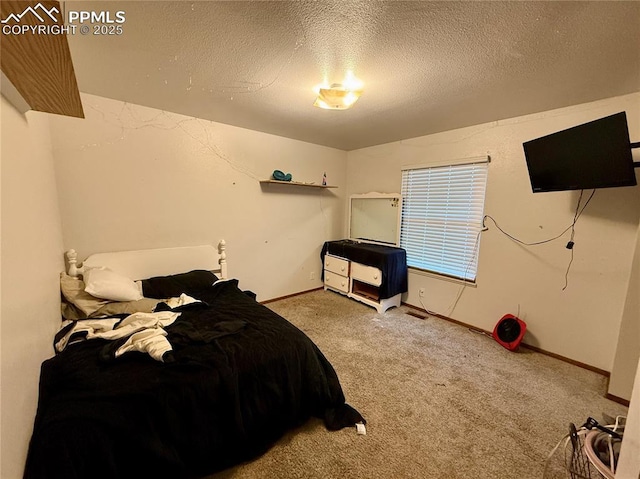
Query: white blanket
[145, 332]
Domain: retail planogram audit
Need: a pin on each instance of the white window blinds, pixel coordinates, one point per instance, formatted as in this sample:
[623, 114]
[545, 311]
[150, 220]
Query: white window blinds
[442, 211]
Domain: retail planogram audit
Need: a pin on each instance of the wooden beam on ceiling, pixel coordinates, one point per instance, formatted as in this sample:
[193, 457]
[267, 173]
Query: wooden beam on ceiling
[39, 64]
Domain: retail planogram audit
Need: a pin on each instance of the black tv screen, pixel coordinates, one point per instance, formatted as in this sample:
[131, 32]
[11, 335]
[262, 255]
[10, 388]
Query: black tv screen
[593, 155]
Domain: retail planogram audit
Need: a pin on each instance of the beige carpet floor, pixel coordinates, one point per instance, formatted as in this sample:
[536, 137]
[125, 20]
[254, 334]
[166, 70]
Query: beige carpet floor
[440, 401]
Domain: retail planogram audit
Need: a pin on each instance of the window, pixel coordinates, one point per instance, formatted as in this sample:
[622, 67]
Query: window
[442, 211]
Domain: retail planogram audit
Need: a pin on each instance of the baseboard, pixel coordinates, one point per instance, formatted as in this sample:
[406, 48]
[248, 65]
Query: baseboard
[567, 360]
[291, 295]
[604, 373]
[617, 399]
[424, 315]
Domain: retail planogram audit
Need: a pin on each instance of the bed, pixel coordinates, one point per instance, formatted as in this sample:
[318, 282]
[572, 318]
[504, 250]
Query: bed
[227, 378]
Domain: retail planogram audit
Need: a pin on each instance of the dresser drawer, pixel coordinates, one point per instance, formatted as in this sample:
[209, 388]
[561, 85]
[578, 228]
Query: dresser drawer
[336, 265]
[366, 274]
[335, 281]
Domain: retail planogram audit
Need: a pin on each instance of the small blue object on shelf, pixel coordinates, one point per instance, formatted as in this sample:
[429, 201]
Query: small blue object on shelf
[280, 176]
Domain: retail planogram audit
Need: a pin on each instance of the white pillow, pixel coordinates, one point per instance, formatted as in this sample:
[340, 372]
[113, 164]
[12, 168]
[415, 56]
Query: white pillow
[107, 284]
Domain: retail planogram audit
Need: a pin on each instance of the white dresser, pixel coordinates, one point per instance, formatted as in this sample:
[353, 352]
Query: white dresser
[357, 281]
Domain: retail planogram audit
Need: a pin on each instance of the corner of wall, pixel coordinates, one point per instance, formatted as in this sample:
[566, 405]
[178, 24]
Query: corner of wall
[627, 353]
[31, 258]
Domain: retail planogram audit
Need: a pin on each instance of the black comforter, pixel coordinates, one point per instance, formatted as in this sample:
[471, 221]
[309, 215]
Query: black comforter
[238, 378]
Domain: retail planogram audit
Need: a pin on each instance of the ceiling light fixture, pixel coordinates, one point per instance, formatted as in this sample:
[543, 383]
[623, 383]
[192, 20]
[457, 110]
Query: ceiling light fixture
[339, 96]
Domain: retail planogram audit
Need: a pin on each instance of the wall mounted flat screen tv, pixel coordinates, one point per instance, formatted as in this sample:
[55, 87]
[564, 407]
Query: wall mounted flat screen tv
[593, 155]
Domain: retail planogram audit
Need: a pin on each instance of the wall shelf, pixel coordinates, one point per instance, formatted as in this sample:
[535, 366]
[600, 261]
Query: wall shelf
[295, 183]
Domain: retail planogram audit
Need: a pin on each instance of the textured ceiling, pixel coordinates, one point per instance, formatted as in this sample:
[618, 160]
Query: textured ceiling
[426, 66]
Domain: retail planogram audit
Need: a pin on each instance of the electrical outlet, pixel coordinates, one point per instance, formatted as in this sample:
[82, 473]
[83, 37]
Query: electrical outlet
[422, 292]
[312, 275]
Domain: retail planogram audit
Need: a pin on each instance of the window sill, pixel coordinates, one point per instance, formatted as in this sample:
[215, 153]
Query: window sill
[443, 277]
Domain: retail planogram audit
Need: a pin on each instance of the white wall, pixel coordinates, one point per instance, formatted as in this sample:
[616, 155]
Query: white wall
[32, 258]
[581, 322]
[628, 349]
[629, 464]
[131, 177]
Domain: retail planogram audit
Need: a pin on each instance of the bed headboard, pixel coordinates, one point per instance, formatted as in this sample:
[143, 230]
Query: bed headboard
[143, 264]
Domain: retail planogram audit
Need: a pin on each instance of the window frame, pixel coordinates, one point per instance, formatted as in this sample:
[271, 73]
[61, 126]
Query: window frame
[476, 171]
